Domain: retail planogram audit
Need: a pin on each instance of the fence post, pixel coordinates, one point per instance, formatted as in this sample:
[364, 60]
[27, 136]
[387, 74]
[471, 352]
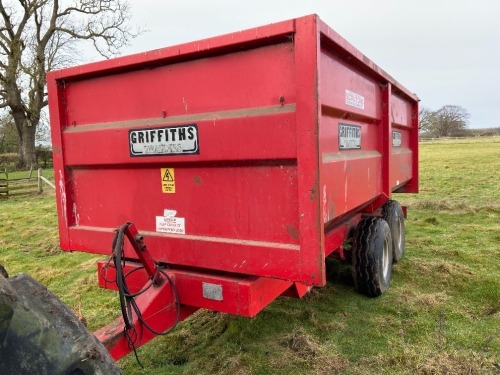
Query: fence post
[40, 188]
[4, 184]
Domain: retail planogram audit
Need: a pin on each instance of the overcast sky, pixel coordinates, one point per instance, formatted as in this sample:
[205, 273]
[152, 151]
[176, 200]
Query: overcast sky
[446, 51]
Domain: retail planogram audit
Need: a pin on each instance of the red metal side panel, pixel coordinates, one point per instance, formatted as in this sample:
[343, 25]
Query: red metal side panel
[218, 201]
[241, 80]
[368, 145]
[401, 149]
[404, 156]
[350, 177]
[237, 198]
[265, 171]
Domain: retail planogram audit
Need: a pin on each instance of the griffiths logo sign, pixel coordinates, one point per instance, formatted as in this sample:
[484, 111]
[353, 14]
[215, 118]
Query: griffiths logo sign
[172, 140]
[349, 137]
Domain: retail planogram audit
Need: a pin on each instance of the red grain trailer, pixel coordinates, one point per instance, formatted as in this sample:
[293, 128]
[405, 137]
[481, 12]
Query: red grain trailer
[243, 160]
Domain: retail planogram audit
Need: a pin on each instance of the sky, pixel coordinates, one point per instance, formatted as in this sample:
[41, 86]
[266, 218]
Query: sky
[445, 51]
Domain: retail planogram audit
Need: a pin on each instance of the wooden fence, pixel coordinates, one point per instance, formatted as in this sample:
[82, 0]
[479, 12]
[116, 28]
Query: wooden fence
[4, 184]
[10, 187]
[41, 180]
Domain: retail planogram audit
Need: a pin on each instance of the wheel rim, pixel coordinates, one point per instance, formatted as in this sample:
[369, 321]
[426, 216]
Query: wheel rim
[400, 232]
[385, 258]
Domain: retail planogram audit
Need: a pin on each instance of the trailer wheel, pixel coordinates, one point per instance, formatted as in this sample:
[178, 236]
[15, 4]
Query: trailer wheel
[393, 214]
[372, 256]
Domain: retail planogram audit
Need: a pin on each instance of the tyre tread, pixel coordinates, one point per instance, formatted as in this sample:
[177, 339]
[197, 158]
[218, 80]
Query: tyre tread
[390, 211]
[365, 265]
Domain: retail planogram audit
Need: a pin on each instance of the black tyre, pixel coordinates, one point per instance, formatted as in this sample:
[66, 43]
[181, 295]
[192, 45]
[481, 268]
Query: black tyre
[393, 214]
[3, 271]
[372, 257]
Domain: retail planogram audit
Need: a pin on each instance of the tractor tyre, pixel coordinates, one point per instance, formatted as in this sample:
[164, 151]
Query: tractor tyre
[393, 214]
[372, 256]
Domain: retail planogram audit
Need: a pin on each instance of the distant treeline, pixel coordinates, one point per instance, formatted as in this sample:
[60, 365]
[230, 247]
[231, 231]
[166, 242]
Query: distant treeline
[485, 132]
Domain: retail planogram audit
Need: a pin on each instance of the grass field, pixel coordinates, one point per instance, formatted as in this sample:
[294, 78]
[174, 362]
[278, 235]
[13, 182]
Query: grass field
[441, 314]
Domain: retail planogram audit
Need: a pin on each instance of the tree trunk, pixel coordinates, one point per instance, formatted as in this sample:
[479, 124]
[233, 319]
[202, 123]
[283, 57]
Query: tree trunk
[28, 146]
[26, 152]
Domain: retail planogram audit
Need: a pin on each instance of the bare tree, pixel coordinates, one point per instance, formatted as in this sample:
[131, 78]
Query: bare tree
[37, 36]
[449, 121]
[8, 135]
[426, 119]
[9, 139]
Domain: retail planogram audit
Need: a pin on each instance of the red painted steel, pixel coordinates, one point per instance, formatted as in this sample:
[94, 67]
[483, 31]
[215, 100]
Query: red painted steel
[235, 294]
[240, 295]
[137, 242]
[268, 104]
[158, 309]
[297, 134]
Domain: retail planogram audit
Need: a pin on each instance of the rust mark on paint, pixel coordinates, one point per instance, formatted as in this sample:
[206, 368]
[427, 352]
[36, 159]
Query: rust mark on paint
[312, 194]
[292, 231]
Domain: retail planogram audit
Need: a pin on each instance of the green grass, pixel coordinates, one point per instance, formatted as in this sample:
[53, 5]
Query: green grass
[441, 314]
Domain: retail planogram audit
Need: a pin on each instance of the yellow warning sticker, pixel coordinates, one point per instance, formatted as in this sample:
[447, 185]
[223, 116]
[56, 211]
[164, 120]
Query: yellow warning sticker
[167, 180]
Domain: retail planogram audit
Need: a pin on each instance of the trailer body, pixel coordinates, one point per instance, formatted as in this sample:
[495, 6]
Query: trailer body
[244, 160]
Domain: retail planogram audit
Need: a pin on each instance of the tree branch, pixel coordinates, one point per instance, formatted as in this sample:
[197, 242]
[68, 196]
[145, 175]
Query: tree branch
[4, 47]
[6, 17]
[38, 35]
[3, 36]
[24, 20]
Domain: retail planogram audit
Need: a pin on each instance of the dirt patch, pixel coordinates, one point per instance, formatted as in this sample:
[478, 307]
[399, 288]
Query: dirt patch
[425, 299]
[492, 310]
[302, 344]
[444, 363]
[442, 270]
[454, 269]
[432, 220]
[443, 205]
[493, 209]
[305, 349]
[435, 363]
[234, 365]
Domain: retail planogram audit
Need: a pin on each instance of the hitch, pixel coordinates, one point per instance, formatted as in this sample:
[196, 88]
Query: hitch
[137, 242]
[152, 310]
[162, 297]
